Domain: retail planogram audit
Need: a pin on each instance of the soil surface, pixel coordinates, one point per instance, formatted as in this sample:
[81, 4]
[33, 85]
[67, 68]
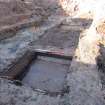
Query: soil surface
[50, 81]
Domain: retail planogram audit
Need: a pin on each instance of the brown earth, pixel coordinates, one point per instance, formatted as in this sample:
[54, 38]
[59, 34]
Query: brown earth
[13, 12]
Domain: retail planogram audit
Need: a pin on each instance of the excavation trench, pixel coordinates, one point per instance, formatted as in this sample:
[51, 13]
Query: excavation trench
[43, 71]
[45, 65]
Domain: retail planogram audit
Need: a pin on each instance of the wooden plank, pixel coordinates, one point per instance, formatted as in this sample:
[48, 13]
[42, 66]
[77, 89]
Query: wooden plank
[54, 51]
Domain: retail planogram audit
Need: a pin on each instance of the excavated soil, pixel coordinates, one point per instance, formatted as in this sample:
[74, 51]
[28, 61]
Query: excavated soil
[47, 80]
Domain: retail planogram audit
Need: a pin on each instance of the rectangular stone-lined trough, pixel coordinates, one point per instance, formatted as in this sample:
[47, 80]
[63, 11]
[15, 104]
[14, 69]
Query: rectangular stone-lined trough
[41, 70]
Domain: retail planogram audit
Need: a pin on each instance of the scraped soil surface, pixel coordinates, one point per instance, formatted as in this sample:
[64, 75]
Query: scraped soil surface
[59, 38]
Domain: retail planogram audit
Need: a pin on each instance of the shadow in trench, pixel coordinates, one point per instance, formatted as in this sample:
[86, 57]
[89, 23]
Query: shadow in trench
[101, 65]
